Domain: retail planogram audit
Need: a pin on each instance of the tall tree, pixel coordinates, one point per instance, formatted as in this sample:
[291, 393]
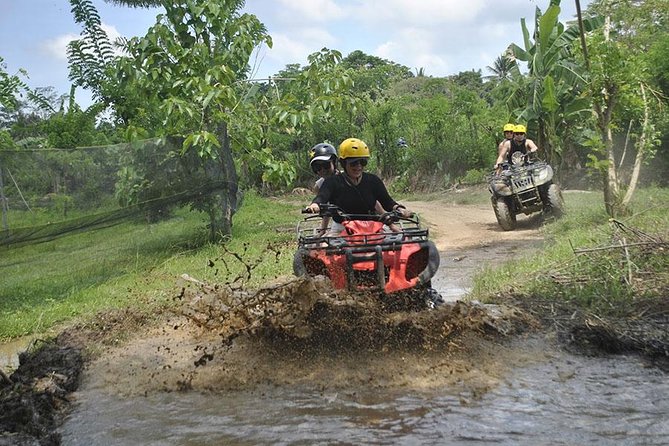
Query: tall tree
[622, 90]
[189, 62]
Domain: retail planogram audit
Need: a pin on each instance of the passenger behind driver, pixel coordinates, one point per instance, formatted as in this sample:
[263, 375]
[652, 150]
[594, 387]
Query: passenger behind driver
[519, 143]
[508, 135]
[354, 191]
[323, 163]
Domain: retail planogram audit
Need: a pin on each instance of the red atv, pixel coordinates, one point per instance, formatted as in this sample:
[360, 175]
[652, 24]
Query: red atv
[368, 256]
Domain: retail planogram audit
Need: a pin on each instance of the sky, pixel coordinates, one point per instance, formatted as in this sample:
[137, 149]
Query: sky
[443, 37]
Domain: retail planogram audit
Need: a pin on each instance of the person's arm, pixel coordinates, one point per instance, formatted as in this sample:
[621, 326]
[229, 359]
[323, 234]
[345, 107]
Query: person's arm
[323, 196]
[317, 185]
[502, 150]
[530, 144]
[386, 201]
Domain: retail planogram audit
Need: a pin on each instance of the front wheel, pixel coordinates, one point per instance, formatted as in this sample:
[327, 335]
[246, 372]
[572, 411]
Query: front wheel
[555, 201]
[298, 263]
[505, 218]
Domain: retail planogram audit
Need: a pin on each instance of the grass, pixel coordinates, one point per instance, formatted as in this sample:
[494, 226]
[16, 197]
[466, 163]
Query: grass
[78, 275]
[595, 280]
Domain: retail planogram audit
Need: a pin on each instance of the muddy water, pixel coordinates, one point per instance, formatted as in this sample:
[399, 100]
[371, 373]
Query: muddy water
[559, 400]
[523, 391]
[9, 353]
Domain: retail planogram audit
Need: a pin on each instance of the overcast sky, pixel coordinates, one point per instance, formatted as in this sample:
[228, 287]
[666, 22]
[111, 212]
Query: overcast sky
[443, 37]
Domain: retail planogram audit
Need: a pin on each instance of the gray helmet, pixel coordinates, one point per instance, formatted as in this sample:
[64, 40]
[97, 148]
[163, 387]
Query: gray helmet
[322, 152]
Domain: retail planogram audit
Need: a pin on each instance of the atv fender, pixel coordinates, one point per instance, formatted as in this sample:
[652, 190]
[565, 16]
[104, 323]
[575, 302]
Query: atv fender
[426, 275]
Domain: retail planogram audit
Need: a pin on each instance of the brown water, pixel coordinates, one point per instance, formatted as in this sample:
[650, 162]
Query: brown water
[559, 400]
[523, 391]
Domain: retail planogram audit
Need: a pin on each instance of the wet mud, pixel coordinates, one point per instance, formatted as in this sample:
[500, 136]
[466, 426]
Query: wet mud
[34, 398]
[300, 331]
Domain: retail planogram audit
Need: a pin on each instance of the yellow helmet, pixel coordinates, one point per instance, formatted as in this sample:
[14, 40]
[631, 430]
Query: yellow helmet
[353, 148]
[519, 129]
[509, 127]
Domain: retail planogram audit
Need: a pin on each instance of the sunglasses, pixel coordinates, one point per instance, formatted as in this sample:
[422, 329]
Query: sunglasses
[518, 133]
[320, 165]
[362, 162]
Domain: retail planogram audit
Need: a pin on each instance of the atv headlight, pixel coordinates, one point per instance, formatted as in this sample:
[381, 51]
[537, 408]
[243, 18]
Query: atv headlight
[543, 174]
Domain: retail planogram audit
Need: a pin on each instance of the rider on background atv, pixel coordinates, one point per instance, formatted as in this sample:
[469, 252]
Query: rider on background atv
[508, 135]
[354, 191]
[519, 143]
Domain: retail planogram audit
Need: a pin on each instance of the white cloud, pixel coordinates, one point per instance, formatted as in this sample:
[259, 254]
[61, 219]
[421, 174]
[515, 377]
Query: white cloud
[310, 11]
[56, 48]
[418, 13]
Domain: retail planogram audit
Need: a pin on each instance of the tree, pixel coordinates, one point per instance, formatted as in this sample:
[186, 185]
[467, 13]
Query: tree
[622, 90]
[502, 68]
[550, 98]
[188, 63]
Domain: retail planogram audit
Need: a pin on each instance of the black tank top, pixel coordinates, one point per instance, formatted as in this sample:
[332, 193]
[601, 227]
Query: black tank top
[516, 147]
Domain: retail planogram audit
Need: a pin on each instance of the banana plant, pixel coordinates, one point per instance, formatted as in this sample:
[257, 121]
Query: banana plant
[551, 97]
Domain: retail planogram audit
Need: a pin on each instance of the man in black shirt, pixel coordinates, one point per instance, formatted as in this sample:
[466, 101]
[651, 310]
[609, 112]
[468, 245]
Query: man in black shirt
[519, 143]
[355, 191]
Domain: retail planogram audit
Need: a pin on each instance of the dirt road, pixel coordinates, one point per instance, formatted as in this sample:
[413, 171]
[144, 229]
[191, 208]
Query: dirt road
[469, 238]
[460, 228]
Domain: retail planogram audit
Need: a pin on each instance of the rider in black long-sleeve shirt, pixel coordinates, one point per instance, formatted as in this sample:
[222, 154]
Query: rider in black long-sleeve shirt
[355, 191]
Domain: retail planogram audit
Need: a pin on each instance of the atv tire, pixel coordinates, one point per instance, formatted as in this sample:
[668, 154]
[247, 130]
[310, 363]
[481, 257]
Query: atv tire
[555, 201]
[298, 263]
[505, 218]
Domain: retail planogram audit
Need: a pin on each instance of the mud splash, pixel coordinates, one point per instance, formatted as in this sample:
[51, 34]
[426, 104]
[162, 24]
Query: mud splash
[299, 331]
[308, 311]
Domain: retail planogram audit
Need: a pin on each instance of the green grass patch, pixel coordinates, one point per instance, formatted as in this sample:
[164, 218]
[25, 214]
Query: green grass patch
[601, 279]
[138, 264]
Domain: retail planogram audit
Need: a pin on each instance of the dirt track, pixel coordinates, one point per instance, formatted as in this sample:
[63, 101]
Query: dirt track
[457, 228]
[469, 238]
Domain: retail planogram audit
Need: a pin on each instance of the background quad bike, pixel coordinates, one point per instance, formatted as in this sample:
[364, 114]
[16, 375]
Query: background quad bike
[524, 186]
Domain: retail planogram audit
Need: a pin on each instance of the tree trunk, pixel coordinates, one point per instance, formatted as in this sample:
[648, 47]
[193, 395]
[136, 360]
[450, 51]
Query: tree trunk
[221, 170]
[641, 148]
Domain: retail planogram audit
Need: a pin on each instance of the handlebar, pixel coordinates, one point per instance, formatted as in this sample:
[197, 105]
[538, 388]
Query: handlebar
[331, 210]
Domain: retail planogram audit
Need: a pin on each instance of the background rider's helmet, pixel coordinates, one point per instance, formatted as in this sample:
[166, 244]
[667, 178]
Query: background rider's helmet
[519, 129]
[322, 152]
[509, 127]
[352, 148]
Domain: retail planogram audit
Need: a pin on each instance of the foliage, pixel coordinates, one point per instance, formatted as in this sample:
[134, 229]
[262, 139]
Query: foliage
[550, 99]
[623, 90]
[279, 121]
[90, 57]
[133, 264]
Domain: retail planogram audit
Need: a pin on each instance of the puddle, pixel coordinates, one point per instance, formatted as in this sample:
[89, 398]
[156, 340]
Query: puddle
[9, 353]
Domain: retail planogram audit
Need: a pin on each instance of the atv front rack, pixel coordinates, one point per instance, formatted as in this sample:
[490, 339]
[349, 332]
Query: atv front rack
[382, 260]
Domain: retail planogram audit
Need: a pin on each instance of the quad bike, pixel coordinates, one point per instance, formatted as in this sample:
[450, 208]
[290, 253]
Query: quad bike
[366, 256]
[524, 186]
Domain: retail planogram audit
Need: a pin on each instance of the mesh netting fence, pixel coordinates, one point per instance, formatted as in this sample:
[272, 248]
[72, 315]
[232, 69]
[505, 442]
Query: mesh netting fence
[46, 193]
